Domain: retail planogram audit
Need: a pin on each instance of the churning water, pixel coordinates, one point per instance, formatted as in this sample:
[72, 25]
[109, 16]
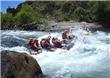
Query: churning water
[88, 58]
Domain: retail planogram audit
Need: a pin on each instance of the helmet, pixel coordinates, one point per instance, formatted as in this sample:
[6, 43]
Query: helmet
[66, 31]
[53, 38]
[48, 37]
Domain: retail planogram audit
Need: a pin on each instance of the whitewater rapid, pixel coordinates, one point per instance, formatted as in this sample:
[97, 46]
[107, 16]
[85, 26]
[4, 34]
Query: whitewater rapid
[88, 58]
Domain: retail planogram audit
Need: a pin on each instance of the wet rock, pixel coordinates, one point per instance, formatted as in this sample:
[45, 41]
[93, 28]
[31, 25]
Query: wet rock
[19, 65]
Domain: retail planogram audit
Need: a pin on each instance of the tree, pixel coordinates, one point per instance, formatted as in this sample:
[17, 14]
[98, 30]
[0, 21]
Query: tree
[27, 15]
[79, 14]
[7, 19]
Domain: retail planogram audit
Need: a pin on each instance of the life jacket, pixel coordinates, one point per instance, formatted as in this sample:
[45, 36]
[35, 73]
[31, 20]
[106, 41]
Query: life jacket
[57, 43]
[32, 44]
[45, 43]
[41, 42]
[36, 43]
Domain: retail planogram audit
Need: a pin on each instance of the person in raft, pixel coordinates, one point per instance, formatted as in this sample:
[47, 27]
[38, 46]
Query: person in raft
[65, 34]
[67, 37]
[45, 43]
[56, 43]
[33, 45]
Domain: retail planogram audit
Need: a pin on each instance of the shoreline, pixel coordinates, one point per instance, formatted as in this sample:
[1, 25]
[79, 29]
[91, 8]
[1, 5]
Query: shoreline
[54, 26]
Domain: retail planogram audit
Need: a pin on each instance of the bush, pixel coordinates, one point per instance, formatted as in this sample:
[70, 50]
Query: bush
[27, 15]
[79, 14]
[90, 11]
[7, 19]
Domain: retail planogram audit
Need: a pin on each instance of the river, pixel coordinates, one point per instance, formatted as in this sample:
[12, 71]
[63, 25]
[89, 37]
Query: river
[88, 58]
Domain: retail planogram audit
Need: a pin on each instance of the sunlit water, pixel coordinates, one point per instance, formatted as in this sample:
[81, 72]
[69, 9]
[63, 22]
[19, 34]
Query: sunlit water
[88, 58]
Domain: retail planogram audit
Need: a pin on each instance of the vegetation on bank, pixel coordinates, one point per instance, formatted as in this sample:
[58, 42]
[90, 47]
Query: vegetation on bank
[26, 15]
[41, 11]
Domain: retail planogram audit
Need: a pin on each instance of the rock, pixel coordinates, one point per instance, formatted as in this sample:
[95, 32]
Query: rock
[52, 26]
[19, 65]
[30, 26]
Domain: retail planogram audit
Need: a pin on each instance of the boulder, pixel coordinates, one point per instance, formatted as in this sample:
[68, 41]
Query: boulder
[19, 65]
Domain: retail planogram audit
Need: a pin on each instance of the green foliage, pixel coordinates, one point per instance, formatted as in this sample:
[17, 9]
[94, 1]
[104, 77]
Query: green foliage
[23, 18]
[7, 19]
[27, 8]
[41, 11]
[26, 15]
[99, 11]
[104, 11]
[79, 14]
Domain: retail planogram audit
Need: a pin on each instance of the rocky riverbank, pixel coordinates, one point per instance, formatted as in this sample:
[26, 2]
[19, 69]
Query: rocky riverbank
[52, 26]
[19, 65]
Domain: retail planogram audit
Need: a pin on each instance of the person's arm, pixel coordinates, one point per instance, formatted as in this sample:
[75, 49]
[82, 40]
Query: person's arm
[47, 43]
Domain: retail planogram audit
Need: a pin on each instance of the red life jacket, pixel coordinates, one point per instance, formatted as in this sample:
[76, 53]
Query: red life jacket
[32, 43]
[42, 42]
[36, 43]
[45, 43]
[57, 43]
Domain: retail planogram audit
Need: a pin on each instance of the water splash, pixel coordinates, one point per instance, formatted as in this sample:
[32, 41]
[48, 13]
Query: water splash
[89, 58]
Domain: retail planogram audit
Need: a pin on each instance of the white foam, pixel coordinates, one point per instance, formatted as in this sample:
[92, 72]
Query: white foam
[88, 55]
